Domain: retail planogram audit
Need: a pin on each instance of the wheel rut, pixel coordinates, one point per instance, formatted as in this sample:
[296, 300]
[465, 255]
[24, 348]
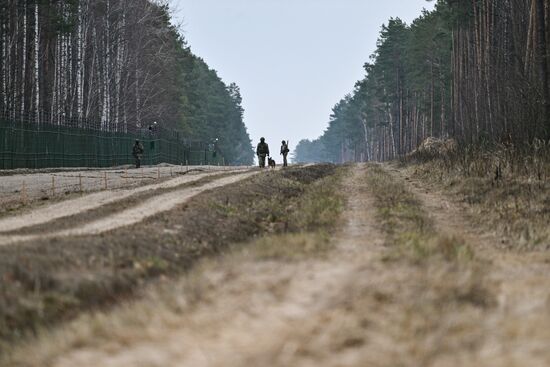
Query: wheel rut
[257, 308]
[518, 328]
[127, 217]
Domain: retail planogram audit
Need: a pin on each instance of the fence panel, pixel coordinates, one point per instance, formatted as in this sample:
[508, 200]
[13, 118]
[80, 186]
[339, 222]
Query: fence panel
[27, 145]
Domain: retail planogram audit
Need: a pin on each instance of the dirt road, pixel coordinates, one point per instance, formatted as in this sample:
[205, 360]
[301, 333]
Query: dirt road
[156, 204]
[368, 302]
[29, 186]
[84, 203]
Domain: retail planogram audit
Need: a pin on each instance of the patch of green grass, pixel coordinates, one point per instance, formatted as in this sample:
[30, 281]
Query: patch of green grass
[290, 247]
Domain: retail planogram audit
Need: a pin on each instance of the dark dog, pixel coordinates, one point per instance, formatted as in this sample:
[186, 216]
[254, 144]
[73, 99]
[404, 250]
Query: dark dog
[271, 162]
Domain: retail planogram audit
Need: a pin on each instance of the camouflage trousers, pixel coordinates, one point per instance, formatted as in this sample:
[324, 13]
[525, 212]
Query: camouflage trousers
[137, 159]
[285, 161]
[261, 160]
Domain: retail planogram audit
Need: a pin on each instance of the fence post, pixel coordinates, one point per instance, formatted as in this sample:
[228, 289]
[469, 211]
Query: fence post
[63, 149]
[12, 150]
[53, 185]
[24, 193]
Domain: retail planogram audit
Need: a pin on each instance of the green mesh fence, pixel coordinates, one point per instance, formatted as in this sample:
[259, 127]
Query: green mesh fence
[24, 145]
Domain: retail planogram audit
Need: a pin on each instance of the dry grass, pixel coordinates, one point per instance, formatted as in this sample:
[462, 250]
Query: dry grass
[45, 282]
[293, 209]
[506, 188]
[433, 303]
[290, 247]
[409, 229]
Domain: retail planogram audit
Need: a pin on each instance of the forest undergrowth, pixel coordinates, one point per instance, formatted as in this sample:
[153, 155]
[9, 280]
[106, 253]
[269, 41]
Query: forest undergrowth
[505, 187]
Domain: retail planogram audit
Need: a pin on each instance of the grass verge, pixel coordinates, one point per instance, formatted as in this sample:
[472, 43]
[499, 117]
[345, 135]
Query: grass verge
[506, 190]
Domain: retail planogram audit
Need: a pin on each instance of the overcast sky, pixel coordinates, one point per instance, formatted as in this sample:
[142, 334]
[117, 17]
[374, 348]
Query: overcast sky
[293, 59]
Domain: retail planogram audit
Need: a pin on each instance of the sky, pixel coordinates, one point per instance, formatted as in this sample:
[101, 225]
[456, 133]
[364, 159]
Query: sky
[293, 59]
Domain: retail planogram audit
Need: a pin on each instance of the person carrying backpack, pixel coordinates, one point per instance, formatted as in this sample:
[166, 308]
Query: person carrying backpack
[284, 152]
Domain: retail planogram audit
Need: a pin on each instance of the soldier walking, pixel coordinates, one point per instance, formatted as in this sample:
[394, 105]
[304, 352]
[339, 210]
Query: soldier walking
[262, 151]
[284, 152]
[137, 151]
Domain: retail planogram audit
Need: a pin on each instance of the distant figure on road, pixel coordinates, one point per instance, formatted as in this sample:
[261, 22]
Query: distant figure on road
[284, 152]
[137, 151]
[262, 151]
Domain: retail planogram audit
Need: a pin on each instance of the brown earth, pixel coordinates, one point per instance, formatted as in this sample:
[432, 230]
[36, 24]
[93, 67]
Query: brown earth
[405, 279]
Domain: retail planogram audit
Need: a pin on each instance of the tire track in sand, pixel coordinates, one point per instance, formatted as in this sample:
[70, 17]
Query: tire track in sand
[133, 215]
[88, 202]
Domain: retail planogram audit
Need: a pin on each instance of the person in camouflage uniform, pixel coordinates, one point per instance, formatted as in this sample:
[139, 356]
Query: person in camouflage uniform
[284, 153]
[137, 151]
[262, 151]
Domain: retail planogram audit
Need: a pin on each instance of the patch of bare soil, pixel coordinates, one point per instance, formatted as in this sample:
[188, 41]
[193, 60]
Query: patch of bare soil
[100, 212]
[147, 208]
[28, 190]
[47, 280]
[88, 202]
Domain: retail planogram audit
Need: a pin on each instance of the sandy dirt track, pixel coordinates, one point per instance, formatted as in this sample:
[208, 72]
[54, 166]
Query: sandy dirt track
[88, 202]
[38, 185]
[517, 332]
[352, 309]
[155, 205]
[256, 307]
[356, 306]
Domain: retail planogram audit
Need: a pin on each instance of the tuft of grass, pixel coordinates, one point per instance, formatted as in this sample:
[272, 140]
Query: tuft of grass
[290, 247]
[420, 246]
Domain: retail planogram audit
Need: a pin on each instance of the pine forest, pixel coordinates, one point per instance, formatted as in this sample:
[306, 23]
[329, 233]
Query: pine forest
[473, 71]
[113, 65]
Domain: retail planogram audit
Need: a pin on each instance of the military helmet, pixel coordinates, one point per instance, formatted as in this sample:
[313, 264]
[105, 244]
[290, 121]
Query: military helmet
[137, 140]
[262, 140]
[284, 142]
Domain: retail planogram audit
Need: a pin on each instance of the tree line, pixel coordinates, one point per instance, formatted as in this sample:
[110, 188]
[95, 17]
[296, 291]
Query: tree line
[113, 65]
[476, 71]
